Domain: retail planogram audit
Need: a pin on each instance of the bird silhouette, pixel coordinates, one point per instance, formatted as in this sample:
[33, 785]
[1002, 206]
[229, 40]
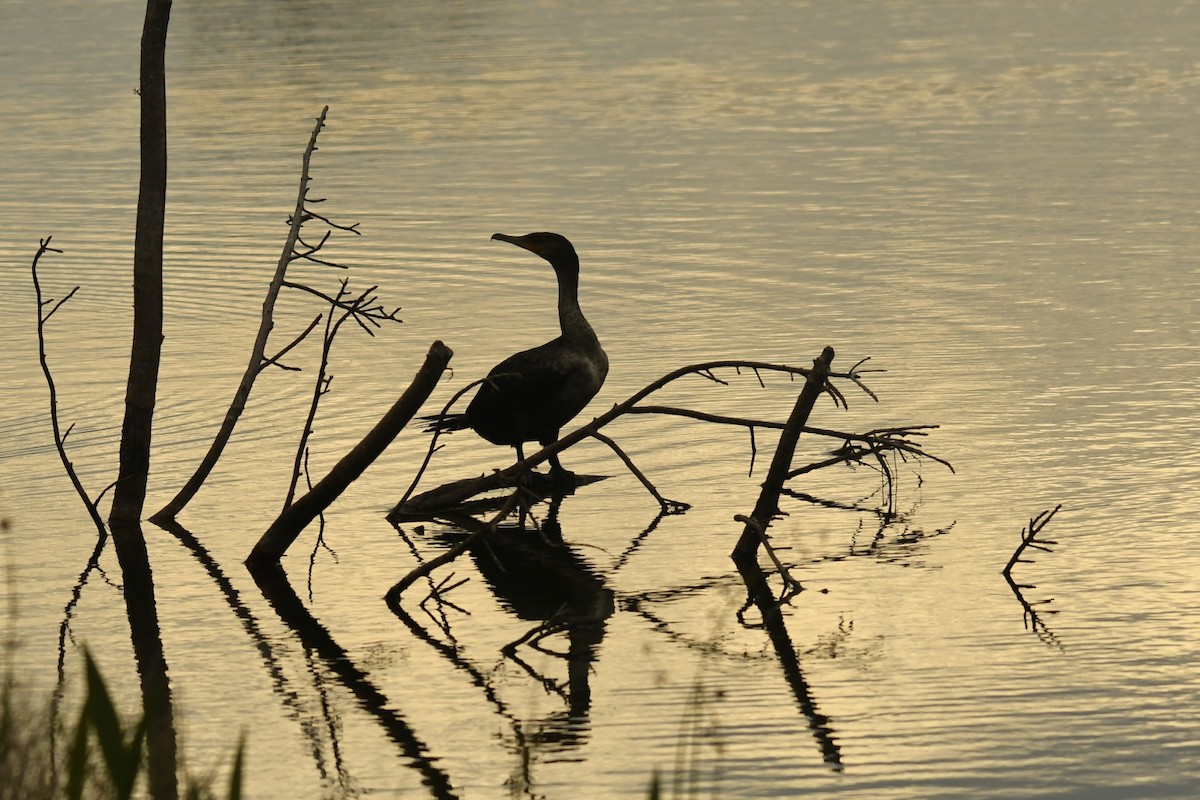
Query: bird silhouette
[531, 395]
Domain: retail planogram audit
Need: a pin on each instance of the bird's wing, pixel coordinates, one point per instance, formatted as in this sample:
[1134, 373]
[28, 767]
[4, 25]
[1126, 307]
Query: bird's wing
[526, 378]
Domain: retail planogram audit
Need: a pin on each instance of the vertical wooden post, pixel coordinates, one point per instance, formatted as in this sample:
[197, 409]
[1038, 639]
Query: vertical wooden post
[141, 388]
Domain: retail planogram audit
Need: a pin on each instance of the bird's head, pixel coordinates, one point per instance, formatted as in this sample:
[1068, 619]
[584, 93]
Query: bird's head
[550, 246]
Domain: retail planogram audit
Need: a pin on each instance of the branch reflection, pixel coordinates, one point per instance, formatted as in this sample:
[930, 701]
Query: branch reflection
[273, 583]
[313, 727]
[762, 596]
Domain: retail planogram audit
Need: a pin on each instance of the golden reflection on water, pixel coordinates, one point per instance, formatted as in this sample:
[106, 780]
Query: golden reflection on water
[992, 201]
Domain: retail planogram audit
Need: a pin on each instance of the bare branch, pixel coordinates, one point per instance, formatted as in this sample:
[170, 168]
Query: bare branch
[1028, 537]
[349, 228]
[258, 351]
[287, 526]
[274, 360]
[767, 506]
[668, 506]
[312, 248]
[319, 261]
[1031, 613]
[60, 438]
[437, 432]
[323, 379]
[374, 314]
[854, 374]
[888, 438]
[452, 494]
[46, 317]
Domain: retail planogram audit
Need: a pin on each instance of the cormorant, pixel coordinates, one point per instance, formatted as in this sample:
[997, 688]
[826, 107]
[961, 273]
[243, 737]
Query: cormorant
[529, 396]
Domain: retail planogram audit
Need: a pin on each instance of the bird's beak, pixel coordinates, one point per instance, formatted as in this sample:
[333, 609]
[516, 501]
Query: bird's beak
[519, 241]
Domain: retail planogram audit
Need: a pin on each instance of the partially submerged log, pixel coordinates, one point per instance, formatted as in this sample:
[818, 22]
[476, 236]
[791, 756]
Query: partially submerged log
[456, 502]
[287, 526]
[453, 494]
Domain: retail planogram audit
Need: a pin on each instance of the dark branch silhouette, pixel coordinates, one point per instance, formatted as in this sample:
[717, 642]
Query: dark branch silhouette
[452, 494]
[258, 360]
[287, 526]
[364, 310]
[1031, 612]
[60, 437]
[278, 591]
[141, 388]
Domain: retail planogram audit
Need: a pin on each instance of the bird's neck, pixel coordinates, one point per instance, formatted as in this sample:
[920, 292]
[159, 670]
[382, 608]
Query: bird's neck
[574, 325]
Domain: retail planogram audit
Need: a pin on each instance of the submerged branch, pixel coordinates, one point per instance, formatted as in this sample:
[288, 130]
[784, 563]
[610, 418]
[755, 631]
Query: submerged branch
[287, 526]
[452, 494]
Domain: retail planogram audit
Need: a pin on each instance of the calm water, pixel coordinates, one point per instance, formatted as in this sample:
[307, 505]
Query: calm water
[996, 202]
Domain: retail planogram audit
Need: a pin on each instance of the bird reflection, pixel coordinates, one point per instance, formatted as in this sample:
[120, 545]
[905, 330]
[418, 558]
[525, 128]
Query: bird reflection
[539, 578]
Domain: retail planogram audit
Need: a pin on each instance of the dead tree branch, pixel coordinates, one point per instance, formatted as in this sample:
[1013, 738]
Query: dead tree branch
[258, 361]
[145, 355]
[1029, 539]
[366, 312]
[453, 494]
[433, 442]
[667, 506]
[60, 438]
[280, 535]
[767, 507]
[323, 379]
[274, 360]
[880, 440]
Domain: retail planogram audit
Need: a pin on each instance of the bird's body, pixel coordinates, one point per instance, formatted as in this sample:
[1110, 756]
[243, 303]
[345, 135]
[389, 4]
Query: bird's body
[531, 395]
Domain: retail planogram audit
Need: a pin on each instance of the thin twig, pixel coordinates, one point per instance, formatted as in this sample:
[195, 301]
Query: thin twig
[60, 438]
[889, 438]
[274, 360]
[437, 432]
[668, 506]
[321, 384]
[1028, 539]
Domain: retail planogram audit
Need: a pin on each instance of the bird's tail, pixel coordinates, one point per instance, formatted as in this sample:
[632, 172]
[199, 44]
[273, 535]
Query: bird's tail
[444, 423]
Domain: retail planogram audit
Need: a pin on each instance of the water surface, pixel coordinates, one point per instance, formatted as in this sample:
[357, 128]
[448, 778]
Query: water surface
[996, 202]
